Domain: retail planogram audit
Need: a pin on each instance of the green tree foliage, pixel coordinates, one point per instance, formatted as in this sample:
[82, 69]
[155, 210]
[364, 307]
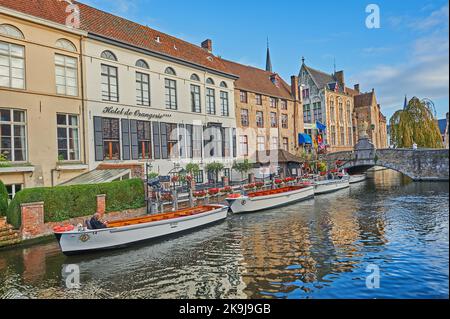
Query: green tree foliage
[215, 168]
[243, 167]
[192, 168]
[415, 124]
[3, 199]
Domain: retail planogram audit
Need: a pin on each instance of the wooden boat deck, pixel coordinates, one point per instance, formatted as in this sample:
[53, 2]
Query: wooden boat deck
[161, 217]
[275, 191]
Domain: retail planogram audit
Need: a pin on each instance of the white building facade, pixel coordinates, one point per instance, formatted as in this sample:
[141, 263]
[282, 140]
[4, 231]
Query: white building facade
[144, 107]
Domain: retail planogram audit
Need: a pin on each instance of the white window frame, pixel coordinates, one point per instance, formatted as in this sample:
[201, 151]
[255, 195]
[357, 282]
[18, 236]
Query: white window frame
[65, 68]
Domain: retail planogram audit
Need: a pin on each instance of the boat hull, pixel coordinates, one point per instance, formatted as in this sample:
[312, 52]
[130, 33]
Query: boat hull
[77, 242]
[246, 204]
[357, 179]
[326, 187]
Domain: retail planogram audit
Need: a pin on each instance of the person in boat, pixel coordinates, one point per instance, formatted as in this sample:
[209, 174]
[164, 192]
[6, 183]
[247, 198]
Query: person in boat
[96, 223]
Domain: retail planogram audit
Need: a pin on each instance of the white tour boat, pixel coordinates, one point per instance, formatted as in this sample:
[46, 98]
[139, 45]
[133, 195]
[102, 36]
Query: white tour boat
[125, 232]
[357, 178]
[257, 201]
[331, 185]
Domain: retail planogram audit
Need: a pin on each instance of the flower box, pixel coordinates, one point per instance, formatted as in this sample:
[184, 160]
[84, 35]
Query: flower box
[213, 191]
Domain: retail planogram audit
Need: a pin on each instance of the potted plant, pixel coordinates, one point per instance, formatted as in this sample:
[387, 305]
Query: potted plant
[200, 194]
[259, 185]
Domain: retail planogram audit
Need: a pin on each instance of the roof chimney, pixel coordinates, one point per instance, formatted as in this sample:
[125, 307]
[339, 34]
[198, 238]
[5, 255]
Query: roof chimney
[207, 45]
[357, 88]
[295, 88]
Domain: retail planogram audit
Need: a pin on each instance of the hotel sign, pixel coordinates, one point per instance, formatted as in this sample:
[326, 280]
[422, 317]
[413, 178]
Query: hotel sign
[129, 112]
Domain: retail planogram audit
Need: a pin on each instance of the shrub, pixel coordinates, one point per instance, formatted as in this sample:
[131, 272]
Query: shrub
[3, 199]
[66, 202]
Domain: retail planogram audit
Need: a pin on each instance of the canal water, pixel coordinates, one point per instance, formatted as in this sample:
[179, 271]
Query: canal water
[384, 238]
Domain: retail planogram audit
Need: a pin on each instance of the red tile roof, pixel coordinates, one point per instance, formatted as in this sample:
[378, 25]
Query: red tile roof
[364, 99]
[113, 27]
[259, 81]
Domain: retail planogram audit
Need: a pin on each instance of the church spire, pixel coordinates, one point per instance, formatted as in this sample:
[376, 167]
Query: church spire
[268, 60]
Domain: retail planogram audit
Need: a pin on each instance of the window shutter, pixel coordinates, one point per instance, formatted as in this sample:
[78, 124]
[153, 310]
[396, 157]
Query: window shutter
[164, 141]
[126, 140]
[98, 138]
[134, 140]
[234, 143]
[156, 140]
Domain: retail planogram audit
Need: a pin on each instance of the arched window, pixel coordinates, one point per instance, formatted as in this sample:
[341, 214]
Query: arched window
[210, 81]
[195, 77]
[66, 45]
[11, 31]
[170, 71]
[142, 64]
[223, 84]
[108, 55]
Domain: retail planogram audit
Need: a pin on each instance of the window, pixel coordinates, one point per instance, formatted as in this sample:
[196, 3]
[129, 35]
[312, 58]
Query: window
[349, 136]
[349, 113]
[284, 121]
[110, 84]
[108, 55]
[142, 89]
[342, 135]
[332, 111]
[195, 99]
[307, 113]
[284, 105]
[244, 117]
[224, 103]
[195, 77]
[259, 119]
[273, 102]
[68, 137]
[223, 85]
[144, 140]
[317, 109]
[13, 145]
[111, 139]
[305, 93]
[227, 142]
[66, 45]
[170, 71]
[171, 94]
[273, 119]
[198, 176]
[210, 81]
[286, 144]
[244, 97]
[258, 99]
[274, 143]
[11, 31]
[66, 70]
[341, 112]
[243, 142]
[142, 64]
[13, 190]
[333, 135]
[261, 140]
[210, 101]
[12, 65]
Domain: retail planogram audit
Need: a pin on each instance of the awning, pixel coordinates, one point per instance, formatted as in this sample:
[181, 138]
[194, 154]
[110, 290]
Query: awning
[99, 176]
[304, 139]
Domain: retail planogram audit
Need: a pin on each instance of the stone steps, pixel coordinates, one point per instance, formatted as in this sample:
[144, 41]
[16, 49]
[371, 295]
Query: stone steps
[8, 236]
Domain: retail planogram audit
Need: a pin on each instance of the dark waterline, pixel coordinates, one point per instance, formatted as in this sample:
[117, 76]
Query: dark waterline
[316, 249]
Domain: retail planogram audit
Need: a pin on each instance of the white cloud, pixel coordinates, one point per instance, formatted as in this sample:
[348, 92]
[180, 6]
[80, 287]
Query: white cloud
[424, 72]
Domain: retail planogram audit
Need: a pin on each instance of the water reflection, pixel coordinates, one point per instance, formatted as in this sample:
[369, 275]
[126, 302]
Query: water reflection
[315, 249]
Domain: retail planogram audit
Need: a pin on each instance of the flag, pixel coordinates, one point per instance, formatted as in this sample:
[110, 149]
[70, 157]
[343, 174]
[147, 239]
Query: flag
[320, 126]
[405, 105]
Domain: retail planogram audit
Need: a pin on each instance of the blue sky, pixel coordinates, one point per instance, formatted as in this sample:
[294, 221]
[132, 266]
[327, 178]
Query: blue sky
[409, 54]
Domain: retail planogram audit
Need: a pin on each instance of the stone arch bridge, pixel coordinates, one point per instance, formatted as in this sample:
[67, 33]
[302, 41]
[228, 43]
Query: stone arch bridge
[420, 165]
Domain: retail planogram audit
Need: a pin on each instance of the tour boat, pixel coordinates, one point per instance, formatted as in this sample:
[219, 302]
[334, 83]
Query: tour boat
[333, 185]
[357, 178]
[125, 232]
[257, 201]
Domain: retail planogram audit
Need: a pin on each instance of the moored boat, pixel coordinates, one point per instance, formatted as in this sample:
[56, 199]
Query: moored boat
[261, 200]
[357, 178]
[333, 185]
[126, 232]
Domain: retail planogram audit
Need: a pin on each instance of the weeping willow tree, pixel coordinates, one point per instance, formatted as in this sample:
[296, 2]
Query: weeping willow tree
[416, 124]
